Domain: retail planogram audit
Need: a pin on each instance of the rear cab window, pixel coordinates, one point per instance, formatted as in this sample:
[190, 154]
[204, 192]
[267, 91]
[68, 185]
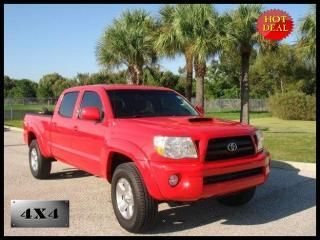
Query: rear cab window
[68, 104]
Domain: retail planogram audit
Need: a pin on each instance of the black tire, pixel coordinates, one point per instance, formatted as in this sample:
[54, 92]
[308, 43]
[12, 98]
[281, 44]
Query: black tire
[145, 208]
[44, 164]
[239, 198]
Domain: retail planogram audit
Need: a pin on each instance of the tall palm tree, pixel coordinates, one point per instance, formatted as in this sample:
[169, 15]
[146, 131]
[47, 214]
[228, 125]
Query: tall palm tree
[206, 43]
[241, 34]
[128, 41]
[175, 36]
[307, 43]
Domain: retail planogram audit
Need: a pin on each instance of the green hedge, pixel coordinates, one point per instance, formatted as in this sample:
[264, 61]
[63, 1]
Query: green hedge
[293, 105]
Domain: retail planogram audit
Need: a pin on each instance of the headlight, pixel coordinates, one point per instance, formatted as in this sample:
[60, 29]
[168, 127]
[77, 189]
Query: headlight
[175, 147]
[259, 140]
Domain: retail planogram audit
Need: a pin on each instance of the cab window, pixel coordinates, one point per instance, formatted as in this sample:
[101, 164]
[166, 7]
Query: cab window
[68, 103]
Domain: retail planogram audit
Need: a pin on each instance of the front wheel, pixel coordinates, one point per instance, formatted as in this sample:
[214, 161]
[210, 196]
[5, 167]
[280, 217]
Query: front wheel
[39, 165]
[134, 208]
[239, 198]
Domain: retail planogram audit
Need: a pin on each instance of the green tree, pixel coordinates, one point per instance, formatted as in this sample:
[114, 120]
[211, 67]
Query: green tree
[169, 80]
[46, 85]
[118, 77]
[129, 41]
[175, 36]
[307, 42]
[287, 72]
[82, 78]
[241, 35]
[206, 31]
[23, 88]
[8, 85]
[100, 78]
[60, 85]
[153, 76]
[222, 78]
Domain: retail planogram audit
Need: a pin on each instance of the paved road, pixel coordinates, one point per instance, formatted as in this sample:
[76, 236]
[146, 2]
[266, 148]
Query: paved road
[285, 205]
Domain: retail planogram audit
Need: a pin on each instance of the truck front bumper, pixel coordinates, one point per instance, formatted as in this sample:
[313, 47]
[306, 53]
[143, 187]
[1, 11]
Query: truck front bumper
[208, 179]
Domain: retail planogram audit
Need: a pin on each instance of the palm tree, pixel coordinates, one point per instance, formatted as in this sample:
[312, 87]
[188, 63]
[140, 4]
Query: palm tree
[175, 36]
[307, 43]
[128, 41]
[206, 43]
[241, 34]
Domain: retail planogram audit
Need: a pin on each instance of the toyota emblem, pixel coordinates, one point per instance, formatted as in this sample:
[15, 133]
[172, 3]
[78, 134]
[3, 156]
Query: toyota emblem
[232, 147]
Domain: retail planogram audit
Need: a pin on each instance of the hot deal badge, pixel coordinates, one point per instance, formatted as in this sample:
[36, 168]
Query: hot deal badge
[275, 24]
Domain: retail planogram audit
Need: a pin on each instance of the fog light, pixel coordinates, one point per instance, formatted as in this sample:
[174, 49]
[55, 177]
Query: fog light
[173, 180]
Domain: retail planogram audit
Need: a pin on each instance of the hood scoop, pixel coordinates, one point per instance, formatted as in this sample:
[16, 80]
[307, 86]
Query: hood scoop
[201, 119]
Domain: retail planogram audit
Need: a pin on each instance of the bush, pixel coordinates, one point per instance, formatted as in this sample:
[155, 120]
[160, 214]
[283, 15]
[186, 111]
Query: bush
[293, 105]
[311, 108]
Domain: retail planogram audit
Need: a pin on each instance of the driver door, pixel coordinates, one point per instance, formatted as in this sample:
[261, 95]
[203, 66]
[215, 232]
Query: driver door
[89, 135]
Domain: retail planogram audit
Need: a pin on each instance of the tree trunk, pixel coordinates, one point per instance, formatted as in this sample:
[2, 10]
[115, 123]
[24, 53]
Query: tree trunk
[200, 72]
[188, 89]
[244, 87]
[138, 70]
[132, 75]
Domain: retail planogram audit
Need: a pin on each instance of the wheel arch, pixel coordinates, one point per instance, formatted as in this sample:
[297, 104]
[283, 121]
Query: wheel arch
[126, 152]
[32, 135]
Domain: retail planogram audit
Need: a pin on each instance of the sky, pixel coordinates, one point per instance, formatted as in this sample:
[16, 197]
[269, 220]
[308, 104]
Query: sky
[46, 38]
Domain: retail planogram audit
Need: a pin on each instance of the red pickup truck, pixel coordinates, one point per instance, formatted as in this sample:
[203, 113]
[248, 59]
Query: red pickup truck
[151, 144]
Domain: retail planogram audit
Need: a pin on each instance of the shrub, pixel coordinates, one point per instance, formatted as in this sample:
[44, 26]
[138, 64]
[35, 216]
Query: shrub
[293, 105]
[311, 108]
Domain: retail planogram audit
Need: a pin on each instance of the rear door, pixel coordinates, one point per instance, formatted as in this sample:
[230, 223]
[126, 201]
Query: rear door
[62, 129]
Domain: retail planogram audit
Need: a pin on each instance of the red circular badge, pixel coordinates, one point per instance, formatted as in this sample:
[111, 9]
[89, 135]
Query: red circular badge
[275, 24]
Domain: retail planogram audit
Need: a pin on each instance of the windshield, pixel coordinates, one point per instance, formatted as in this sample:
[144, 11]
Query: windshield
[148, 103]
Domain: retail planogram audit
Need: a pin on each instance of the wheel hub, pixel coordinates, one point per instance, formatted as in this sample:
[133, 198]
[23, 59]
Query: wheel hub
[34, 159]
[124, 197]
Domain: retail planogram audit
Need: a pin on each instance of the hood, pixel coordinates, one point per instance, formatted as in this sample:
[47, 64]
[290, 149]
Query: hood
[186, 126]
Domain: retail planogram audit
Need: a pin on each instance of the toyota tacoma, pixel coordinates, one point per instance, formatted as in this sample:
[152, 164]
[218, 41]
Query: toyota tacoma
[151, 144]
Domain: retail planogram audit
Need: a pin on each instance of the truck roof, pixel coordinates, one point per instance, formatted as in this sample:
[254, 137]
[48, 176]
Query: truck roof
[118, 87]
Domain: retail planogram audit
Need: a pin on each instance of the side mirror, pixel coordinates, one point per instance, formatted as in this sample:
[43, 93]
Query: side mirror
[90, 113]
[200, 109]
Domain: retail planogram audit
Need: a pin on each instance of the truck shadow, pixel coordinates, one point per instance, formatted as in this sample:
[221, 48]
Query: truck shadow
[73, 173]
[285, 193]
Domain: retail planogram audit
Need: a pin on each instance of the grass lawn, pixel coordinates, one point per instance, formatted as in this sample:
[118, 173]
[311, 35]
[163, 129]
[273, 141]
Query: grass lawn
[285, 139]
[288, 140]
[14, 123]
[19, 111]
[30, 107]
[235, 115]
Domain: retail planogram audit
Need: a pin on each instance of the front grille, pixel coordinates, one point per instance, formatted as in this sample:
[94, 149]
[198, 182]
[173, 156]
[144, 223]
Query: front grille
[218, 148]
[232, 176]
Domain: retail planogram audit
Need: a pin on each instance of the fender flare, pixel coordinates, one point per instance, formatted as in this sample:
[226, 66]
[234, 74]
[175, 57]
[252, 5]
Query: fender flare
[140, 159]
[43, 149]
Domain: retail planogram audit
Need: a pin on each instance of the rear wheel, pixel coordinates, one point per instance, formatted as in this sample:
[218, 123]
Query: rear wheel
[239, 198]
[39, 165]
[134, 208]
